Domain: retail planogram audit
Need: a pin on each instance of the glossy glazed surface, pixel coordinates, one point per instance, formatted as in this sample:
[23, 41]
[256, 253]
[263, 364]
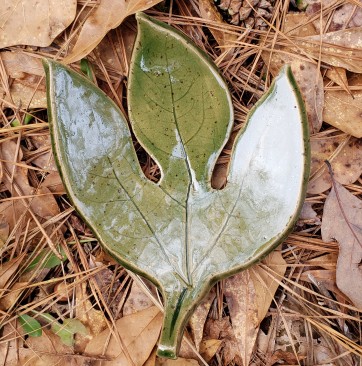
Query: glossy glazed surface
[180, 233]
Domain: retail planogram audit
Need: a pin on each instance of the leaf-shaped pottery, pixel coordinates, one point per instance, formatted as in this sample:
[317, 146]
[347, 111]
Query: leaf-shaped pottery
[180, 233]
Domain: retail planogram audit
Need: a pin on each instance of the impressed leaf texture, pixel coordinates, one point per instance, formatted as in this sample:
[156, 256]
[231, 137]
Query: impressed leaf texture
[180, 233]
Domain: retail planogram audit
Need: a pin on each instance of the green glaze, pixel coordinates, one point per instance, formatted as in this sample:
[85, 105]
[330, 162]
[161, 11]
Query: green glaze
[180, 233]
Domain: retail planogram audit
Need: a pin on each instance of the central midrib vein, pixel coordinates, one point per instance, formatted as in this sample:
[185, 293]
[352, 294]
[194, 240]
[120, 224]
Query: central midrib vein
[188, 259]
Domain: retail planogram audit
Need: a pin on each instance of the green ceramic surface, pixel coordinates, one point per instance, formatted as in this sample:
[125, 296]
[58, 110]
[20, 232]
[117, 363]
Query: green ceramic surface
[180, 233]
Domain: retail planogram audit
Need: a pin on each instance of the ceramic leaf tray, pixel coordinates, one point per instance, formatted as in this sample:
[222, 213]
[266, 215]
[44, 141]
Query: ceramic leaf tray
[180, 233]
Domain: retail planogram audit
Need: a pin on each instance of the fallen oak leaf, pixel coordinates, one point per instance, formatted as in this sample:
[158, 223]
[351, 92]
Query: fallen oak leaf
[345, 155]
[34, 23]
[343, 109]
[108, 15]
[342, 221]
[341, 48]
[138, 332]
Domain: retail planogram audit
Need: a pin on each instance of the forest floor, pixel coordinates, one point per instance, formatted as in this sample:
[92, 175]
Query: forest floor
[63, 300]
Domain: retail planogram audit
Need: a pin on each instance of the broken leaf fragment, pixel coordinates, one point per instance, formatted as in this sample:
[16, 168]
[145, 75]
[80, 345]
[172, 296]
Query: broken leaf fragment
[180, 233]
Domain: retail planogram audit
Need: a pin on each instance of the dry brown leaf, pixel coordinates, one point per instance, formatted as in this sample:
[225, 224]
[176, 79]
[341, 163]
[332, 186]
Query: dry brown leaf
[8, 269]
[345, 155]
[249, 295]
[198, 318]
[24, 93]
[27, 85]
[139, 333]
[298, 24]
[4, 229]
[265, 284]
[94, 320]
[151, 361]
[137, 300]
[54, 183]
[43, 203]
[342, 221]
[221, 329]
[308, 214]
[18, 63]
[342, 48]
[34, 23]
[47, 350]
[343, 109]
[339, 76]
[179, 362]
[241, 298]
[326, 261]
[108, 15]
[11, 297]
[348, 15]
[42, 157]
[306, 73]
[326, 277]
[209, 347]
[115, 50]
[287, 356]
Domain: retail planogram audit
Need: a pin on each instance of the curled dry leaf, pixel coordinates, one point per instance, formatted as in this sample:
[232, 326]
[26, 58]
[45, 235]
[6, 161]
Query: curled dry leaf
[138, 334]
[209, 347]
[345, 155]
[108, 15]
[249, 295]
[342, 221]
[343, 109]
[26, 87]
[33, 22]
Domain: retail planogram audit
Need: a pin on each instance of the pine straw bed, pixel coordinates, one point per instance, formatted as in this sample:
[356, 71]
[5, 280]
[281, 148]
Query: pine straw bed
[309, 321]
